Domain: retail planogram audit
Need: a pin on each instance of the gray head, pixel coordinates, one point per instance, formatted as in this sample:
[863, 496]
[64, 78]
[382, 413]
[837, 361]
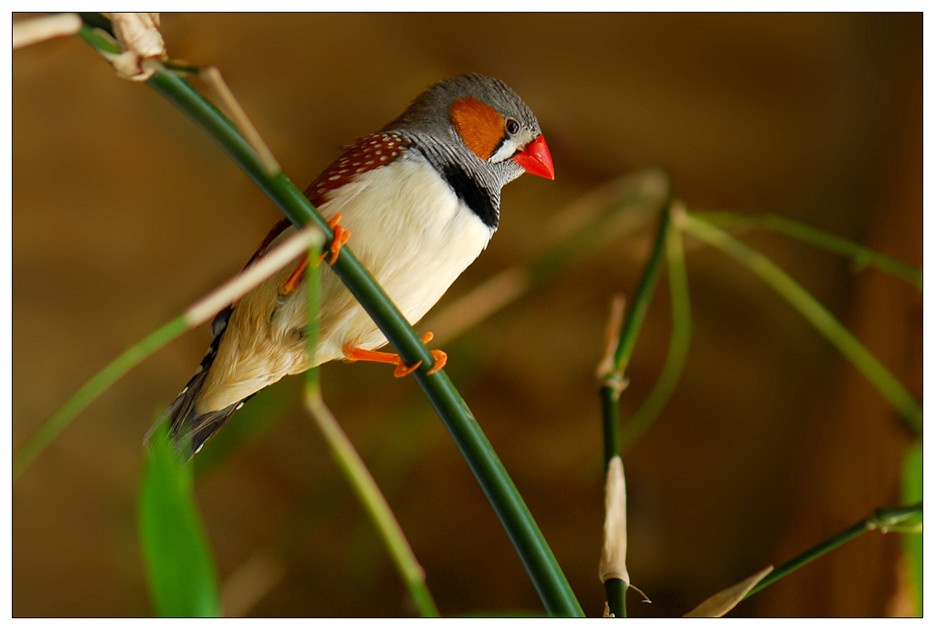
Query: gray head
[487, 117]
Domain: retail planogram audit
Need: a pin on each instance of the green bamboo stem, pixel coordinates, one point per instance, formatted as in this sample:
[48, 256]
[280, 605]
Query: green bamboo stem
[861, 256]
[613, 376]
[615, 590]
[883, 520]
[816, 314]
[613, 379]
[610, 414]
[550, 582]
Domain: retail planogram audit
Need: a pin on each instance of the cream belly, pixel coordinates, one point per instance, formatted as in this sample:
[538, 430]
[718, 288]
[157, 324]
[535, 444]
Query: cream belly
[409, 230]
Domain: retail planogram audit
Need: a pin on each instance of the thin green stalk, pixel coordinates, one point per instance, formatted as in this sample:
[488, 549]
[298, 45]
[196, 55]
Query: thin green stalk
[613, 369]
[883, 520]
[643, 418]
[547, 576]
[613, 378]
[373, 501]
[813, 311]
[644, 293]
[861, 256]
[94, 388]
[354, 468]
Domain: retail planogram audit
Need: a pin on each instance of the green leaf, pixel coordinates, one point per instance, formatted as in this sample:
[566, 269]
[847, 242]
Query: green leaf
[860, 256]
[178, 560]
[816, 314]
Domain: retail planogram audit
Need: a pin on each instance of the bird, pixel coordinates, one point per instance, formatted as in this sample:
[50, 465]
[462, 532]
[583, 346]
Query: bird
[418, 201]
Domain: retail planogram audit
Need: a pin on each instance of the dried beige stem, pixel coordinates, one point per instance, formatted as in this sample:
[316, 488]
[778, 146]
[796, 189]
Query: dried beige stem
[723, 602]
[213, 76]
[250, 582]
[614, 554]
[480, 302]
[139, 34]
[40, 29]
[296, 245]
[605, 369]
[144, 52]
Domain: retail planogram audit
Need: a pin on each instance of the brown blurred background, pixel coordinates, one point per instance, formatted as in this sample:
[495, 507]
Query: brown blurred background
[124, 213]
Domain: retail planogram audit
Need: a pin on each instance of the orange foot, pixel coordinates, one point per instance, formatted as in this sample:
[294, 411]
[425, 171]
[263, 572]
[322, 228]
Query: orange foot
[337, 241]
[439, 358]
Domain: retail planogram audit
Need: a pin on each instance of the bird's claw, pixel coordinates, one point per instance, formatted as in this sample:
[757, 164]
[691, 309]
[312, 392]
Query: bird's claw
[338, 241]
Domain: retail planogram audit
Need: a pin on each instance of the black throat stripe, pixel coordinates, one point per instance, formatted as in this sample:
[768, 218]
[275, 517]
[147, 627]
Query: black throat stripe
[473, 194]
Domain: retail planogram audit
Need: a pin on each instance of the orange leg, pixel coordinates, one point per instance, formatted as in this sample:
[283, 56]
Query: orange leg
[340, 239]
[439, 358]
[292, 282]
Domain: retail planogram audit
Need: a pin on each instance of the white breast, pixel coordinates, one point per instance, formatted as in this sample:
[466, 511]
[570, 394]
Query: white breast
[412, 233]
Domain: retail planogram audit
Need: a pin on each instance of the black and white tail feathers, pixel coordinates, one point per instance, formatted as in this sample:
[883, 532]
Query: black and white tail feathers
[188, 428]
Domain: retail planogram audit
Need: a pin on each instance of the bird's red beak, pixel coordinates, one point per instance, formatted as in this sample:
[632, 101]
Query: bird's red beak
[536, 159]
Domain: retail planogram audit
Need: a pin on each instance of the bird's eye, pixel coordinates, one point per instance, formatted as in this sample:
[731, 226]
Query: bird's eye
[512, 127]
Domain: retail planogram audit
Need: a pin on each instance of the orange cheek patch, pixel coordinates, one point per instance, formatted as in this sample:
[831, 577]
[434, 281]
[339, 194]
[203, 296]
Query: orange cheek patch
[478, 124]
